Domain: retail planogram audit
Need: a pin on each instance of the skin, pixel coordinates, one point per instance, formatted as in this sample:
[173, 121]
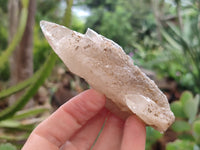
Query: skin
[76, 124]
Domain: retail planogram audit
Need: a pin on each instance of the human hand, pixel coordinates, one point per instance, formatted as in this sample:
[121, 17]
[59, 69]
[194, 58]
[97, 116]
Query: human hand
[76, 124]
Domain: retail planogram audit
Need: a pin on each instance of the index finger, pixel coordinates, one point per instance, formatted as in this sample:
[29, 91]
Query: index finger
[134, 134]
[69, 118]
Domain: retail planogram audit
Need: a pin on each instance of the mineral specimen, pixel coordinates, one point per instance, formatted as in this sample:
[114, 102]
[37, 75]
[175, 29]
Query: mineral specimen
[106, 67]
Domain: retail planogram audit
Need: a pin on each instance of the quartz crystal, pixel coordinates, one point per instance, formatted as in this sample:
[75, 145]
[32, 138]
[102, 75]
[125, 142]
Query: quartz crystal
[107, 69]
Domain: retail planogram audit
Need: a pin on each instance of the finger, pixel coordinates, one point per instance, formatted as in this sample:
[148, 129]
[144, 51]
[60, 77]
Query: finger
[86, 136]
[111, 135]
[134, 134]
[69, 118]
[37, 142]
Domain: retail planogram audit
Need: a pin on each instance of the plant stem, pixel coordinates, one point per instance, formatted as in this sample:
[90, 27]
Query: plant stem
[17, 37]
[178, 11]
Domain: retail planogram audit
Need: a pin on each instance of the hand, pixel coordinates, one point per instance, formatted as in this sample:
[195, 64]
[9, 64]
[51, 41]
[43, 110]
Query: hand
[76, 124]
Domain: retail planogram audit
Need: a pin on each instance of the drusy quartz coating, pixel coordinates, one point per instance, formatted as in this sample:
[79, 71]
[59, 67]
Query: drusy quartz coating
[106, 67]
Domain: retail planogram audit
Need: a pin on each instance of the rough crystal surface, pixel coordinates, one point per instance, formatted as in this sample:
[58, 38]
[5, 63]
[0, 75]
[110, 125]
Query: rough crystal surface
[106, 67]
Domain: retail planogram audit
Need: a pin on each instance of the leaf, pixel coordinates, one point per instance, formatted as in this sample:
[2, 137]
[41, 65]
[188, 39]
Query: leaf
[181, 126]
[180, 145]
[13, 124]
[186, 136]
[187, 95]
[7, 146]
[13, 137]
[30, 112]
[177, 109]
[16, 88]
[187, 42]
[44, 72]
[170, 40]
[196, 127]
[152, 136]
[191, 108]
[196, 130]
[9, 123]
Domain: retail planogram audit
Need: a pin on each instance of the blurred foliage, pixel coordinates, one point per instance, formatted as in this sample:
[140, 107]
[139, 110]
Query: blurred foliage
[101, 21]
[182, 145]
[7, 146]
[184, 51]
[21, 125]
[77, 24]
[41, 48]
[122, 21]
[5, 54]
[16, 88]
[14, 121]
[38, 80]
[152, 136]
[3, 30]
[48, 10]
[180, 57]
[187, 124]
[4, 72]
[3, 4]
[4, 57]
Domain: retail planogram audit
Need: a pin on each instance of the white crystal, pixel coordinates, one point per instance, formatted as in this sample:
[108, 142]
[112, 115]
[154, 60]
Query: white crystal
[106, 67]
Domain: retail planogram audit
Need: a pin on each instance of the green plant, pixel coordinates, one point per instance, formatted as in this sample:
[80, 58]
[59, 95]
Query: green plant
[21, 124]
[182, 47]
[38, 81]
[41, 48]
[5, 54]
[16, 88]
[7, 146]
[151, 137]
[17, 37]
[14, 121]
[124, 22]
[187, 124]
